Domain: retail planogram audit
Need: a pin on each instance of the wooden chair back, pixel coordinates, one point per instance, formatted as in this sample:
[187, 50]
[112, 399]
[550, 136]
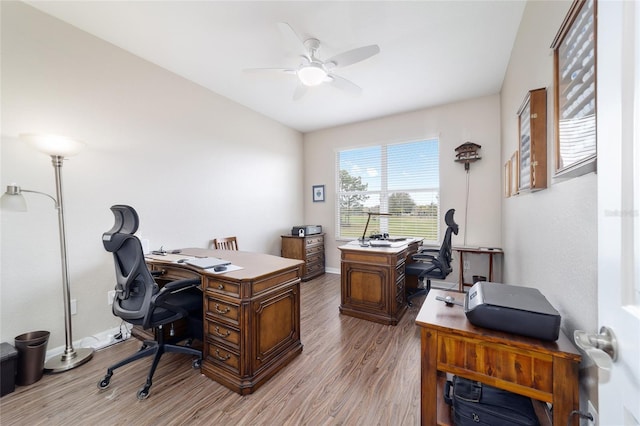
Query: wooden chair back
[227, 243]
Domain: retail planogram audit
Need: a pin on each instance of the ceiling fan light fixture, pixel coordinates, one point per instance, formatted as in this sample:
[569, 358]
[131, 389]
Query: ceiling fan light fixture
[312, 74]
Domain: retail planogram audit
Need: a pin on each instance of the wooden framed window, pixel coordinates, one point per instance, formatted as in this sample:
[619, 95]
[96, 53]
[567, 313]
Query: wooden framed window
[574, 52]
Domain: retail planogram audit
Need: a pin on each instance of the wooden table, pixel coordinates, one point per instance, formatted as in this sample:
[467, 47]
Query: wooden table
[372, 281]
[251, 315]
[542, 370]
[475, 250]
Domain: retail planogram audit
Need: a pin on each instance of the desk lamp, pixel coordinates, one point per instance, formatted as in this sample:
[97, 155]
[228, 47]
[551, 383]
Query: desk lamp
[363, 240]
[58, 148]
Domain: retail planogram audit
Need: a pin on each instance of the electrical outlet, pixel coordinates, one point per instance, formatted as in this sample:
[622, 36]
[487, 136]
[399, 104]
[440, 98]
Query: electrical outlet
[466, 265]
[591, 409]
[74, 306]
[111, 294]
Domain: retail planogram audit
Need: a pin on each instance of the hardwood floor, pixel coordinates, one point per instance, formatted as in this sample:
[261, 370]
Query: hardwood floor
[350, 372]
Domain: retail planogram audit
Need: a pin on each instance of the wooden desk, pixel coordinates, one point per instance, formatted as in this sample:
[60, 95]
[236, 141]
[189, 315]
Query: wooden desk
[545, 371]
[251, 316]
[372, 281]
[477, 250]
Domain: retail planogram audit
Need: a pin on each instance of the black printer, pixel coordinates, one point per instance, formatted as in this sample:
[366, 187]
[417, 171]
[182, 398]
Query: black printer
[514, 309]
[302, 230]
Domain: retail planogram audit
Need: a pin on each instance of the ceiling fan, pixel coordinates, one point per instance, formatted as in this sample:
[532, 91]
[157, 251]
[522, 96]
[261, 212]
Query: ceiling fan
[314, 71]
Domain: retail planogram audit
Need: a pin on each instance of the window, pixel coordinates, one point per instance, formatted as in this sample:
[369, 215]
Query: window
[401, 179]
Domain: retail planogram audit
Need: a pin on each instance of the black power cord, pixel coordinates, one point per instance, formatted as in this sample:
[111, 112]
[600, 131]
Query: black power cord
[582, 415]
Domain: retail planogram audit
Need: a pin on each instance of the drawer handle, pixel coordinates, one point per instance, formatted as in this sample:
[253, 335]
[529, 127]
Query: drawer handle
[220, 287]
[220, 334]
[220, 311]
[220, 357]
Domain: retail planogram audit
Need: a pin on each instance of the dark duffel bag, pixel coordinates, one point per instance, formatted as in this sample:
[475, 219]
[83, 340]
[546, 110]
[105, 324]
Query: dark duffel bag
[475, 404]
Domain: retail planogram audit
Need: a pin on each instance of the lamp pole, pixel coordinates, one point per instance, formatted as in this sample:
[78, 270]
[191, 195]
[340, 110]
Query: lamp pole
[71, 357]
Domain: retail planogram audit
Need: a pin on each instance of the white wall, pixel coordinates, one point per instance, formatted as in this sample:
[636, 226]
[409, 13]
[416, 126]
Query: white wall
[194, 164]
[475, 120]
[550, 237]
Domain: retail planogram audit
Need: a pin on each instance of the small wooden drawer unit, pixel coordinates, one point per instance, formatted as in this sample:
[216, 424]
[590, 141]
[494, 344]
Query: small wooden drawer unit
[309, 249]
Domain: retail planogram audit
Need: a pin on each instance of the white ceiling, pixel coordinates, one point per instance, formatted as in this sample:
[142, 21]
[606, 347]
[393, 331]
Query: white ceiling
[431, 52]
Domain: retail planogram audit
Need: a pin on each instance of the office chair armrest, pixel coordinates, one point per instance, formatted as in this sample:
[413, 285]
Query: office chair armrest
[158, 300]
[181, 284]
[428, 250]
[423, 256]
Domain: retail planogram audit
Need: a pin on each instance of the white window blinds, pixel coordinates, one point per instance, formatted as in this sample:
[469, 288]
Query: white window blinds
[401, 179]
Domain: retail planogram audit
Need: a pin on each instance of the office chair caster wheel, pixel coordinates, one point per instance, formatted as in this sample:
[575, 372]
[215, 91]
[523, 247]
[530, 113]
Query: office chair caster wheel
[197, 363]
[143, 393]
[104, 383]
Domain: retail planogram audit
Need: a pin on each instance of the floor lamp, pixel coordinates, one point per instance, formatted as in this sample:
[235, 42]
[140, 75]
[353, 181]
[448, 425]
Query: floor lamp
[58, 148]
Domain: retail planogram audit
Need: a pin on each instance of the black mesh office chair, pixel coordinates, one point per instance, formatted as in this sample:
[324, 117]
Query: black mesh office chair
[432, 263]
[140, 301]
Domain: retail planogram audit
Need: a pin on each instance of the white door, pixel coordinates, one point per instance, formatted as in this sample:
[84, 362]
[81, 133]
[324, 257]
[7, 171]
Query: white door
[618, 124]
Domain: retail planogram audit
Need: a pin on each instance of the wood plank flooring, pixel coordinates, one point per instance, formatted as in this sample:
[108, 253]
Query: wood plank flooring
[350, 372]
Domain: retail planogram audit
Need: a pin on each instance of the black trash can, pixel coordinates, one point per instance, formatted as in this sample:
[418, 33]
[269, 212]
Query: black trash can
[32, 349]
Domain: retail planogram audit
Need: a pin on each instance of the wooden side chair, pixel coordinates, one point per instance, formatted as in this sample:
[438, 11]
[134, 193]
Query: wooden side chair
[227, 243]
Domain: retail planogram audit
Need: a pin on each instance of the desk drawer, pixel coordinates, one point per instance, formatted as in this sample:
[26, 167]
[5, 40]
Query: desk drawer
[222, 357]
[315, 268]
[311, 250]
[223, 333]
[316, 258]
[497, 364]
[221, 286]
[312, 241]
[173, 273]
[218, 309]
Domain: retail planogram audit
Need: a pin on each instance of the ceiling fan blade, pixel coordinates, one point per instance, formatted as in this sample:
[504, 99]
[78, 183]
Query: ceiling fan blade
[345, 85]
[301, 89]
[282, 70]
[352, 56]
[294, 43]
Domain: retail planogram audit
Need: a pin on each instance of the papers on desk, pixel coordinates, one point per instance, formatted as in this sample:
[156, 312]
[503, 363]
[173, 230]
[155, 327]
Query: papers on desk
[206, 262]
[379, 243]
[165, 257]
[230, 268]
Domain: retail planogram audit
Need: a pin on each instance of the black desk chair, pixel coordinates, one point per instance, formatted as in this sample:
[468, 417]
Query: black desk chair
[140, 301]
[431, 263]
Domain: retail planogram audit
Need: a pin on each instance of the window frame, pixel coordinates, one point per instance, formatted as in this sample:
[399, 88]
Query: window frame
[383, 194]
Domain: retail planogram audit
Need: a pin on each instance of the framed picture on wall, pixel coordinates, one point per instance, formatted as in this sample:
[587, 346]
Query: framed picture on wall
[507, 179]
[574, 74]
[318, 193]
[515, 173]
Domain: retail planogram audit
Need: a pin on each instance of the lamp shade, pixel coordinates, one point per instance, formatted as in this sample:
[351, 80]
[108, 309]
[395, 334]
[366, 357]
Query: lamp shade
[13, 200]
[54, 145]
[312, 74]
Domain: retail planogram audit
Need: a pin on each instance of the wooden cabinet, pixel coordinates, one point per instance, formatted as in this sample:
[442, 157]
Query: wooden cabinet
[373, 282]
[542, 370]
[532, 129]
[309, 249]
